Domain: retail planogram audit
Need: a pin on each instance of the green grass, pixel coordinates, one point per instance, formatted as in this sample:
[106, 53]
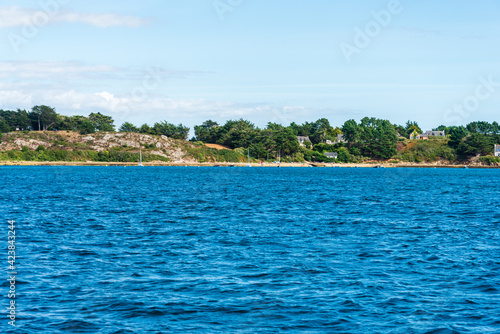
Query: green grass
[427, 151]
[207, 154]
[78, 156]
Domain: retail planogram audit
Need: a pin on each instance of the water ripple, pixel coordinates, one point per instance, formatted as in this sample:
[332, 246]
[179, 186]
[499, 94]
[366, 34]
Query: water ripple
[254, 250]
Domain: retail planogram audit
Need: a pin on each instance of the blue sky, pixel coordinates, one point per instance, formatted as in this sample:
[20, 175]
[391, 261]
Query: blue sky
[186, 61]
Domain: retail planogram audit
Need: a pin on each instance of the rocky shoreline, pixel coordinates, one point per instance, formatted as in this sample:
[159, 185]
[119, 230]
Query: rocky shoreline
[268, 165]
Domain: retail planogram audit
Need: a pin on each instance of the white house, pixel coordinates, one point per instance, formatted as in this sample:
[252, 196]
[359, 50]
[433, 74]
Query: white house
[331, 155]
[427, 134]
[435, 134]
[302, 140]
[496, 152]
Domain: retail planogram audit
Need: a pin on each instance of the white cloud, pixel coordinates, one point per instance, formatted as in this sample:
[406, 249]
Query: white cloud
[103, 20]
[124, 107]
[63, 71]
[72, 88]
[15, 16]
[153, 108]
[15, 98]
[51, 69]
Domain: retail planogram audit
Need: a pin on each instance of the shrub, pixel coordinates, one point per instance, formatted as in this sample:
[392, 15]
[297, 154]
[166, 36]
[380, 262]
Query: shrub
[354, 151]
[490, 160]
[344, 156]
[30, 156]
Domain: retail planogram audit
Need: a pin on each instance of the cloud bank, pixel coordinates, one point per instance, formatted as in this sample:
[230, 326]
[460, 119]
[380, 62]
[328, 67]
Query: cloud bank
[15, 16]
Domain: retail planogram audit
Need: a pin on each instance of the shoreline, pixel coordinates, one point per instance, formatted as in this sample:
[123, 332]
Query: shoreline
[228, 164]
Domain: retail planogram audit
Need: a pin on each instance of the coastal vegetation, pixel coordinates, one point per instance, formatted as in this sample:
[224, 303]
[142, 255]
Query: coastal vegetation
[41, 134]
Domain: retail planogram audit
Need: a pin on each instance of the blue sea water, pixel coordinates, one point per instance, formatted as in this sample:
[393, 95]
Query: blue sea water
[252, 250]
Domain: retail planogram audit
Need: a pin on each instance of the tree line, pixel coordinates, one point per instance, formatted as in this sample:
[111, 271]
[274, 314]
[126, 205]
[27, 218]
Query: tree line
[369, 138]
[43, 118]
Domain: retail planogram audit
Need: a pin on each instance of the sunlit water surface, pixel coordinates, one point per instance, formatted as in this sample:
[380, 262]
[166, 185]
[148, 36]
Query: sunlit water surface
[250, 250]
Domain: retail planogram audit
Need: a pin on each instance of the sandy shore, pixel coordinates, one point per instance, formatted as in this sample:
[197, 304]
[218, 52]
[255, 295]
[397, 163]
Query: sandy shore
[221, 164]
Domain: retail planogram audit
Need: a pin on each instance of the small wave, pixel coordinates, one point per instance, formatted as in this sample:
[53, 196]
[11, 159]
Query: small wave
[78, 326]
[442, 331]
[488, 288]
[83, 252]
[124, 331]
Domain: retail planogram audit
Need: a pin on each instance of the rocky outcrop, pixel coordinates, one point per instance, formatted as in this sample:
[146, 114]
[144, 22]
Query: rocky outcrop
[101, 141]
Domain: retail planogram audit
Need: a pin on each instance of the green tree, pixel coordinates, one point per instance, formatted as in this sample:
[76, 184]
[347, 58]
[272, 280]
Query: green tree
[379, 137]
[295, 128]
[306, 129]
[401, 131]
[4, 126]
[170, 130]
[128, 127]
[285, 142]
[274, 126]
[102, 122]
[320, 128]
[146, 129]
[456, 135]
[44, 117]
[412, 126]
[85, 126]
[351, 132]
[475, 144]
[265, 137]
[239, 133]
[207, 132]
[257, 150]
[386, 141]
[15, 119]
[22, 120]
[495, 128]
[484, 128]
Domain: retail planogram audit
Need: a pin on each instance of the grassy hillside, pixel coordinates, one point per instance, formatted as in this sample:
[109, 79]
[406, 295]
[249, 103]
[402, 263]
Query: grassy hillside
[107, 147]
[426, 151]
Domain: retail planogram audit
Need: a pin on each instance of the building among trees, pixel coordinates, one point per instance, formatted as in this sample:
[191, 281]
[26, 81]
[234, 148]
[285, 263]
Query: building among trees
[427, 134]
[302, 140]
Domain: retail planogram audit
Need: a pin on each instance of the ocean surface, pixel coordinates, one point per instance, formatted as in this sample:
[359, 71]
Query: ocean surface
[252, 250]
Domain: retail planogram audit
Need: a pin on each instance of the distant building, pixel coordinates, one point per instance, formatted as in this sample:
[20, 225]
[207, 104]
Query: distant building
[302, 140]
[414, 135]
[427, 134]
[328, 142]
[435, 134]
[340, 139]
[423, 136]
[496, 152]
[331, 155]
